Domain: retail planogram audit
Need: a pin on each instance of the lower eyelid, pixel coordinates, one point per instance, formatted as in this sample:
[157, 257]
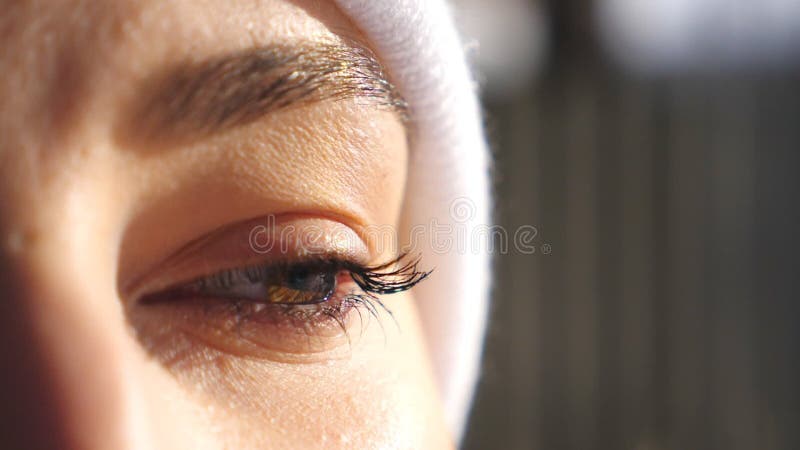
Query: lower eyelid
[289, 333]
[228, 329]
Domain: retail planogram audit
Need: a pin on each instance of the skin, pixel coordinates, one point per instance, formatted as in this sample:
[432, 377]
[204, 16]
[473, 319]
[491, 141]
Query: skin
[88, 209]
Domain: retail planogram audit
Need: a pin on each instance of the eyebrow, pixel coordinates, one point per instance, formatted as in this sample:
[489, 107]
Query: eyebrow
[197, 99]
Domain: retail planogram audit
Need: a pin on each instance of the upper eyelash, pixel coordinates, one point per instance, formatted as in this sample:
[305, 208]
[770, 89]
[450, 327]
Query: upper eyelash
[377, 281]
[397, 275]
[371, 279]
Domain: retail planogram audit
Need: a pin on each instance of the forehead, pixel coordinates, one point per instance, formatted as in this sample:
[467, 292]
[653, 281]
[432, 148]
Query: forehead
[152, 26]
[65, 60]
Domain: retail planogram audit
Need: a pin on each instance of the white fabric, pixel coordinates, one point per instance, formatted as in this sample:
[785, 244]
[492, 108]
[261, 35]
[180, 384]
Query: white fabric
[448, 181]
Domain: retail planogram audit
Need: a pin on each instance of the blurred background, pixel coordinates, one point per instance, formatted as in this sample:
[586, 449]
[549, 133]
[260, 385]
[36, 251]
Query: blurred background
[654, 145]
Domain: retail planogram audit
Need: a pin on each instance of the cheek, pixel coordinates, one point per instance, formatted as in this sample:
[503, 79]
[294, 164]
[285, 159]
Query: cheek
[342, 405]
[378, 395]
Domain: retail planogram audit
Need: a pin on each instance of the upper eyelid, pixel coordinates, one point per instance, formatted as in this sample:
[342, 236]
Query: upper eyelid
[228, 247]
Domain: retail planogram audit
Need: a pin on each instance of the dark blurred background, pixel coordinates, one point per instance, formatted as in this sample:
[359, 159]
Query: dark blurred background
[654, 146]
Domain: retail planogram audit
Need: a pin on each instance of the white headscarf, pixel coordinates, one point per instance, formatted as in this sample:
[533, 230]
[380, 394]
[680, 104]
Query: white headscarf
[448, 181]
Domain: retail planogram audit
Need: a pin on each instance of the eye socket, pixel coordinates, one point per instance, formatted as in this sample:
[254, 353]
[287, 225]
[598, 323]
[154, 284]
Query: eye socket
[299, 300]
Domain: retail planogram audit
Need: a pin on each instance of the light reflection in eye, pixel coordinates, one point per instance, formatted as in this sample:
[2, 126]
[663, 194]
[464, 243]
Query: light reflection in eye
[302, 285]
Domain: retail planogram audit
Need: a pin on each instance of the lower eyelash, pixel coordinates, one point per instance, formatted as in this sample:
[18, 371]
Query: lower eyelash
[336, 309]
[357, 303]
[336, 312]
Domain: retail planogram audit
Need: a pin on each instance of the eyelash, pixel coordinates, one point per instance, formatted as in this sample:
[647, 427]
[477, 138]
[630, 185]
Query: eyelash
[398, 275]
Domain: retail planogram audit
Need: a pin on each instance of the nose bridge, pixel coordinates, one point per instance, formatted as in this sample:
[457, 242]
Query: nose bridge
[63, 363]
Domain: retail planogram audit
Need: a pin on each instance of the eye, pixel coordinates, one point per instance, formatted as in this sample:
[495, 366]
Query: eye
[276, 308]
[301, 289]
[278, 284]
[302, 285]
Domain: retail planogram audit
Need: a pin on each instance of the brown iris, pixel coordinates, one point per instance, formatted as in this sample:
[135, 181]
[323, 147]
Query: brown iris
[300, 285]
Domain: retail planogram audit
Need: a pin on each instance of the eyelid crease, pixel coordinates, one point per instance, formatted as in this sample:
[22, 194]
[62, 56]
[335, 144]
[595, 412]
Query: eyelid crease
[231, 246]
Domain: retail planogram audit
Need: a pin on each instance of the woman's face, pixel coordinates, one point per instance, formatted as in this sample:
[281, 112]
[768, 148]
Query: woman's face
[187, 191]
